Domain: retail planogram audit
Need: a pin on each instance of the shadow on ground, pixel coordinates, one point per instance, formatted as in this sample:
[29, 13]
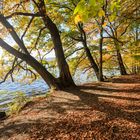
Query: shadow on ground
[87, 112]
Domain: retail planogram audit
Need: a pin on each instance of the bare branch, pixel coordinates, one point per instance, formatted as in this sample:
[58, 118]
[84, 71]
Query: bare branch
[107, 32]
[11, 71]
[35, 3]
[24, 14]
[125, 30]
[69, 46]
[74, 52]
[46, 53]
[115, 39]
[39, 36]
[61, 6]
[87, 69]
[76, 39]
[27, 28]
[11, 50]
[80, 59]
[26, 69]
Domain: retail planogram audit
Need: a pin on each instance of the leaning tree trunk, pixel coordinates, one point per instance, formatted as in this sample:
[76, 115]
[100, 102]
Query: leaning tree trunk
[65, 78]
[91, 60]
[87, 50]
[121, 65]
[120, 60]
[39, 68]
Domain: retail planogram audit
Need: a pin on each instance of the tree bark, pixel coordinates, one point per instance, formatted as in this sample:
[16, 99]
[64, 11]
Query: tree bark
[101, 52]
[65, 77]
[121, 65]
[91, 60]
[120, 60]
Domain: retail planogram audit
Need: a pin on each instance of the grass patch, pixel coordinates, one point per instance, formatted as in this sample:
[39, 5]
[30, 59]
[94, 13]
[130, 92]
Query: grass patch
[18, 103]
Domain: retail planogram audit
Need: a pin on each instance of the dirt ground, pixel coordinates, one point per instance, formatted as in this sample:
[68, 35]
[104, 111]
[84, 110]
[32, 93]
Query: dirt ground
[94, 111]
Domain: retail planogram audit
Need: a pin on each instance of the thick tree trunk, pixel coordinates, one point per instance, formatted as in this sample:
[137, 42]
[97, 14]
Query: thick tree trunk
[65, 76]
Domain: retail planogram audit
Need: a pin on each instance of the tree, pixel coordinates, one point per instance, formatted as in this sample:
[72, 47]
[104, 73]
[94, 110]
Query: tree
[89, 11]
[65, 78]
[25, 55]
[81, 36]
[104, 10]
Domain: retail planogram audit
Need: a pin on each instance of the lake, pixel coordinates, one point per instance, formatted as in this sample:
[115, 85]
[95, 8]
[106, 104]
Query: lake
[38, 87]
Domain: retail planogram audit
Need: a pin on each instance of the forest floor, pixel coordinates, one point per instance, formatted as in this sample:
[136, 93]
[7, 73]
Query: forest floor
[94, 111]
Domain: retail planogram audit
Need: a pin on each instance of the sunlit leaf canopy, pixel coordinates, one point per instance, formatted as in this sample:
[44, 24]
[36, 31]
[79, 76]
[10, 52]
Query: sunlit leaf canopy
[121, 23]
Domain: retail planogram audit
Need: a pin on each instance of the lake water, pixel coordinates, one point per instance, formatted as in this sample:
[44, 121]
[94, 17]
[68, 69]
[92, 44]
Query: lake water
[9, 90]
[38, 87]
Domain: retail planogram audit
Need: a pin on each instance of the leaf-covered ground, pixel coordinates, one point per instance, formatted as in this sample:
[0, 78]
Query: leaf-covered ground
[95, 111]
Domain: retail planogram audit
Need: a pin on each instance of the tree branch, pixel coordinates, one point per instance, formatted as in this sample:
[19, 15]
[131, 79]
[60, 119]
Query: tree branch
[13, 33]
[74, 52]
[61, 6]
[27, 28]
[10, 71]
[39, 36]
[46, 53]
[125, 30]
[76, 39]
[12, 51]
[26, 69]
[24, 14]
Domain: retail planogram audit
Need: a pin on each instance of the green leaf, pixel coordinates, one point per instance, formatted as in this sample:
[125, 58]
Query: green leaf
[112, 17]
[92, 2]
[136, 57]
[79, 7]
[101, 13]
